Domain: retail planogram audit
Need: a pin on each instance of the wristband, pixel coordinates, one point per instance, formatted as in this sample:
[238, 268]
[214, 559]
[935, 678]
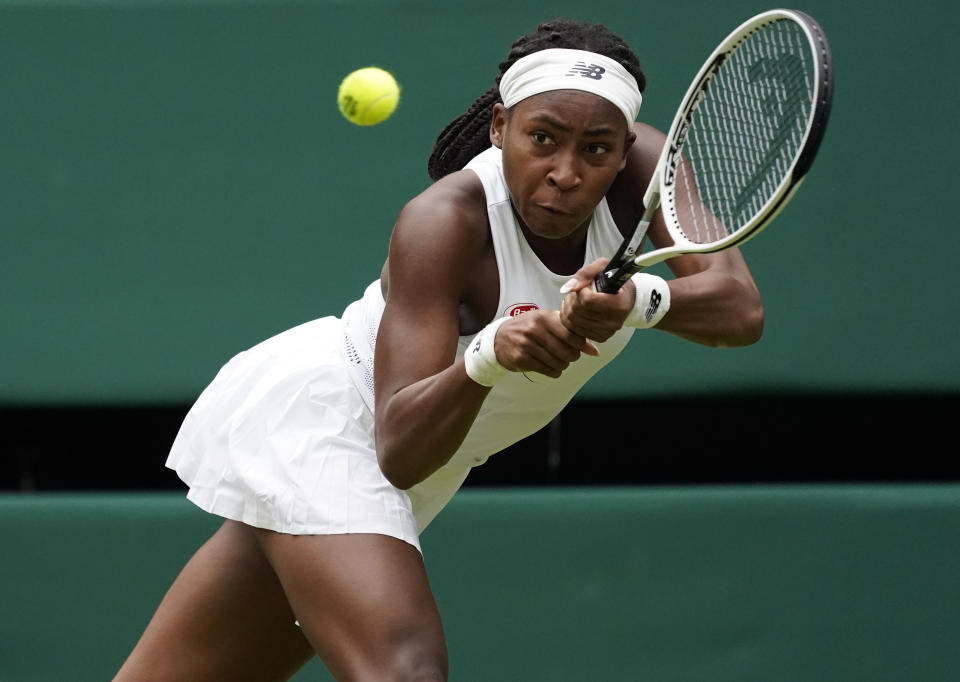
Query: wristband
[652, 302]
[481, 359]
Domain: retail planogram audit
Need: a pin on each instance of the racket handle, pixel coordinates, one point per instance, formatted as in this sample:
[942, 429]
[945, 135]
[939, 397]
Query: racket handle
[621, 267]
[610, 280]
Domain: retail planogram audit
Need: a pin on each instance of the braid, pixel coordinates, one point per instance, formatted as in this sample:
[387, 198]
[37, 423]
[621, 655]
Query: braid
[468, 134]
[464, 137]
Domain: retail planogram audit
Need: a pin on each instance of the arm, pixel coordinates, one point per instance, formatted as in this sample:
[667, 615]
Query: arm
[714, 299]
[425, 401]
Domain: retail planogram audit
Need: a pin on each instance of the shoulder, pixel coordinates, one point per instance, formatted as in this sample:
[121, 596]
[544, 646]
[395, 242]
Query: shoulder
[450, 213]
[625, 196]
[440, 231]
[458, 195]
[645, 152]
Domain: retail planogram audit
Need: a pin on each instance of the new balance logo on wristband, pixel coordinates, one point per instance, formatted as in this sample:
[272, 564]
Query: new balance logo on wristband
[652, 301]
[653, 305]
[587, 70]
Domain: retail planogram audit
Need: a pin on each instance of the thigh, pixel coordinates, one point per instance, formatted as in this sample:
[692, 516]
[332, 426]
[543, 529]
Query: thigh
[364, 602]
[224, 618]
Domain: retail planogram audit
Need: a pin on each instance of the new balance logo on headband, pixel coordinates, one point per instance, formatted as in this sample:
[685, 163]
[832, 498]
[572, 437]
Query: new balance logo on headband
[551, 69]
[587, 71]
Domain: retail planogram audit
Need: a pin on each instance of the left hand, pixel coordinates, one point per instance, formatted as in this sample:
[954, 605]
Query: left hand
[589, 313]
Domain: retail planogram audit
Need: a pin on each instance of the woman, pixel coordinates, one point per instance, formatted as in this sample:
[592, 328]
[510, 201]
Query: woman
[331, 446]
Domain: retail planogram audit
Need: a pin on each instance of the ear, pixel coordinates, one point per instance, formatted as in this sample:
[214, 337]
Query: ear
[497, 125]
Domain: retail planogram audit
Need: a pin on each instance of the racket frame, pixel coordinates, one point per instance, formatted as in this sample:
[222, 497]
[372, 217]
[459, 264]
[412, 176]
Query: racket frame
[628, 261]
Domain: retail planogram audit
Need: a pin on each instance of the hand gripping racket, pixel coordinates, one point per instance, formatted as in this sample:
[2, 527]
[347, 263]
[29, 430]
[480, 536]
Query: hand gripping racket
[740, 144]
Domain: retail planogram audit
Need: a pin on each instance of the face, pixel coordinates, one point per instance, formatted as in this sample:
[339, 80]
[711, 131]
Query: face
[561, 151]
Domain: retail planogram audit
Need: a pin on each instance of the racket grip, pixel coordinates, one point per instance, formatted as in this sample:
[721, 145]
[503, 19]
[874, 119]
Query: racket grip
[611, 280]
[605, 283]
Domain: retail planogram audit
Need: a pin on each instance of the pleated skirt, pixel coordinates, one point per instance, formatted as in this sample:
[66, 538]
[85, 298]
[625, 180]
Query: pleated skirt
[281, 439]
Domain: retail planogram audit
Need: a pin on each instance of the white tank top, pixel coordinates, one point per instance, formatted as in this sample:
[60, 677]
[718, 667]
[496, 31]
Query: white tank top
[516, 407]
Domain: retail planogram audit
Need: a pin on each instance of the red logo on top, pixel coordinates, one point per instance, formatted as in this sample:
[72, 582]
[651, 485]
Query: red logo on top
[520, 309]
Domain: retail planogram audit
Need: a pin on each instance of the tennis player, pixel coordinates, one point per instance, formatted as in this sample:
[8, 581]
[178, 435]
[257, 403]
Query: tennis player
[329, 448]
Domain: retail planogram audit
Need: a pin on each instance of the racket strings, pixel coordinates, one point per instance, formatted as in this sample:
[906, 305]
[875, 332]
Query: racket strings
[746, 133]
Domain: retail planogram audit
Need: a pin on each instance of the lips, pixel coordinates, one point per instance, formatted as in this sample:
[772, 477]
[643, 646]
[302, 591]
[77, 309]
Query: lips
[556, 210]
[549, 220]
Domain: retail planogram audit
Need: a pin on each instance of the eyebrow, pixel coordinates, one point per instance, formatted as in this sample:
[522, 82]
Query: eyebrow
[551, 121]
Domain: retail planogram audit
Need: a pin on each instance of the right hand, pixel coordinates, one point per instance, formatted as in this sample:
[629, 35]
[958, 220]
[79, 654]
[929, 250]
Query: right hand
[593, 314]
[538, 341]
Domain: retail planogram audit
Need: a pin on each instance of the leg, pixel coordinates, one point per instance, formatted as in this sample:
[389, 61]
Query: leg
[364, 602]
[224, 618]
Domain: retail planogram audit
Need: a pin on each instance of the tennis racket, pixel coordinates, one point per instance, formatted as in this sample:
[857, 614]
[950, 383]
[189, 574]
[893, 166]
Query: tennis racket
[740, 144]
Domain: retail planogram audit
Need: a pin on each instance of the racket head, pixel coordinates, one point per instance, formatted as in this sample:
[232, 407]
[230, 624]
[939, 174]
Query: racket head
[746, 133]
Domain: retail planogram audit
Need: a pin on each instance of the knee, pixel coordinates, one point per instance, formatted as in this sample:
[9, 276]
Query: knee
[402, 658]
[416, 661]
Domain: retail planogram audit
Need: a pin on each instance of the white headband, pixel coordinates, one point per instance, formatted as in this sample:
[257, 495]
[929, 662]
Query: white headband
[562, 69]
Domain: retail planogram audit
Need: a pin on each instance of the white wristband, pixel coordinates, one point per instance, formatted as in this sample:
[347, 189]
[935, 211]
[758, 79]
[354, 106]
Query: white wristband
[481, 359]
[652, 302]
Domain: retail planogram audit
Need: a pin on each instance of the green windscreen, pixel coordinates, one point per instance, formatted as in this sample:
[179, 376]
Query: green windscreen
[176, 184]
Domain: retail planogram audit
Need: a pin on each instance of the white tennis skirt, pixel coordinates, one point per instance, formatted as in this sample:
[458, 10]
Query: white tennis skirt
[281, 439]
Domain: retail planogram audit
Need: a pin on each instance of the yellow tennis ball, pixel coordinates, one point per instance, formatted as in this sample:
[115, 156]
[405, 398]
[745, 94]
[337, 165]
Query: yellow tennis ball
[368, 96]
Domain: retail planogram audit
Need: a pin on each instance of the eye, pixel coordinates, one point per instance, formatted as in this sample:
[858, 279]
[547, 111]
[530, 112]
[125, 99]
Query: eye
[598, 148]
[541, 138]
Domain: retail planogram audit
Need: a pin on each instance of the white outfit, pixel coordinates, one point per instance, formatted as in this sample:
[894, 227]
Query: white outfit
[283, 436]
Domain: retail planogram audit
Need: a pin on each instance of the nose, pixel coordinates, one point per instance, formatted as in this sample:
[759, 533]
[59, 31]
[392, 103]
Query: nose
[564, 174]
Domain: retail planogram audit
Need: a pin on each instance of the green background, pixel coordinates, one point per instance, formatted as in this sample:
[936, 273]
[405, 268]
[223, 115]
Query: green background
[176, 184]
[751, 584]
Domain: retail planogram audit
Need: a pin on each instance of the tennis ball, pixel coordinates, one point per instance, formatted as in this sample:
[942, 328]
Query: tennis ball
[368, 96]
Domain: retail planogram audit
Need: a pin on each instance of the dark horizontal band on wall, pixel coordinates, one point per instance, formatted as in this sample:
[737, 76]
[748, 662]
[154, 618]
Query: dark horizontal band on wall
[756, 438]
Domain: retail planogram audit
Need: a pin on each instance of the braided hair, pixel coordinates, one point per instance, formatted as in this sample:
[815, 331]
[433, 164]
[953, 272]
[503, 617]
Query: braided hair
[469, 134]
